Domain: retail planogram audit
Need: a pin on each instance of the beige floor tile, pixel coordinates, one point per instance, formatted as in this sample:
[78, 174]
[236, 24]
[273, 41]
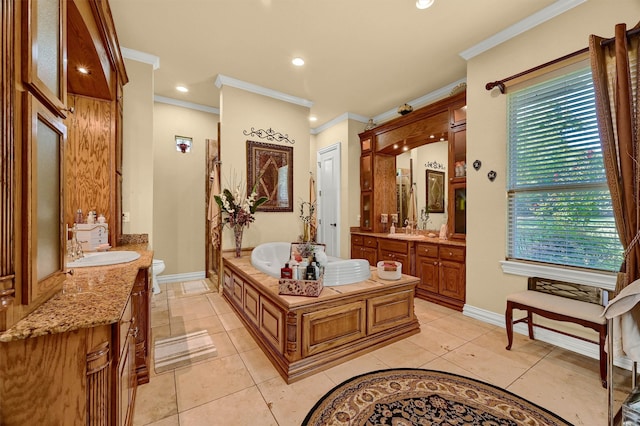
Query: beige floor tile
[243, 408]
[167, 421]
[210, 380]
[360, 365]
[211, 323]
[499, 370]
[189, 308]
[427, 312]
[156, 400]
[523, 349]
[291, 403]
[159, 317]
[435, 340]
[459, 326]
[242, 339]
[223, 344]
[258, 365]
[230, 321]
[578, 399]
[403, 353]
[441, 364]
[159, 300]
[220, 305]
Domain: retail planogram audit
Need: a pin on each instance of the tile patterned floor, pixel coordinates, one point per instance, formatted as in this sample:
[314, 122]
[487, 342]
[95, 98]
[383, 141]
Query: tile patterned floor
[241, 387]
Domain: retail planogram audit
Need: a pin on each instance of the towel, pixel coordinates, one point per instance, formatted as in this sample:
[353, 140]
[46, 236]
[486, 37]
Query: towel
[625, 306]
[213, 213]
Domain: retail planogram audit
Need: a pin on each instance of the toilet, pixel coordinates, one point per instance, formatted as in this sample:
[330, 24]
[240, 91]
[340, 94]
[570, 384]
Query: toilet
[158, 267]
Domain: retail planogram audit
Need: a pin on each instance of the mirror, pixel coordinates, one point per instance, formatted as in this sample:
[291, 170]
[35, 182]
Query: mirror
[270, 169]
[432, 157]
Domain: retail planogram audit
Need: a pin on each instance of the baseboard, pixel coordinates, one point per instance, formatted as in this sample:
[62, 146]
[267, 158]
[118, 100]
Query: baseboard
[566, 342]
[175, 278]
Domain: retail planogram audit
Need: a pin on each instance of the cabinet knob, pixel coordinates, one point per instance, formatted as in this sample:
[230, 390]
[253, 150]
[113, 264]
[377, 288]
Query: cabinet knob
[435, 263]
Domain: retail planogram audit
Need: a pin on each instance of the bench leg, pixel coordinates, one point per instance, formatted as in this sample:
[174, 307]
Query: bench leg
[603, 356]
[530, 324]
[509, 324]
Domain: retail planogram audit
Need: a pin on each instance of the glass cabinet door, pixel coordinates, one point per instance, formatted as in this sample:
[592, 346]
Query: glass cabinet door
[366, 222]
[460, 211]
[366, 173]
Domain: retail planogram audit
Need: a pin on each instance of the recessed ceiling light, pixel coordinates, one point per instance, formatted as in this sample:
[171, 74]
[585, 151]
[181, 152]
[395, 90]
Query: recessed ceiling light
[298, 62]
[313, 118]
[182, 89]
[424, 4]
[83, 70]
[405, 148]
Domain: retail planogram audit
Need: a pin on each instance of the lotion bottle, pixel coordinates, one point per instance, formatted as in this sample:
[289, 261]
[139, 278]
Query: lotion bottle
[294, 268]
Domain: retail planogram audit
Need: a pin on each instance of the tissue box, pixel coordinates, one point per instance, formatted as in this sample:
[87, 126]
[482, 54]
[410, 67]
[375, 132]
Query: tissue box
[300, 287]
[92, 235]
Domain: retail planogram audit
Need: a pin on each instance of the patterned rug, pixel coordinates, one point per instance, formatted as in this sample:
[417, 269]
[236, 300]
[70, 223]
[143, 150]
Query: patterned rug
[407, 396]
[183, 350]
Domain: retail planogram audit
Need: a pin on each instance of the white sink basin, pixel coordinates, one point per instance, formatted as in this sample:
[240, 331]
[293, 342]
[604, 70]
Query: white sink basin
[104, 258]
[407, 236]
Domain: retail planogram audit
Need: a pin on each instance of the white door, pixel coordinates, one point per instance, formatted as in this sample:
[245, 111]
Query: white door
[329, 198]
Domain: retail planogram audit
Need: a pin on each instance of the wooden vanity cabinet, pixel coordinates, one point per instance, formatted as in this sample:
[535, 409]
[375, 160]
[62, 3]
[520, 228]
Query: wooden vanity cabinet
[364, 247]
[396, 250]
[441, 269]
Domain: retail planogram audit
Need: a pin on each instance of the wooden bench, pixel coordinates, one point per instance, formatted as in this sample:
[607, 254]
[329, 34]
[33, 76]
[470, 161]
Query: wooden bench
[561, 301]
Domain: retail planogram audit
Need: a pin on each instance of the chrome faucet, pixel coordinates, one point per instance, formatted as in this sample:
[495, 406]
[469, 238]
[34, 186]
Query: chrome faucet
[74, 250]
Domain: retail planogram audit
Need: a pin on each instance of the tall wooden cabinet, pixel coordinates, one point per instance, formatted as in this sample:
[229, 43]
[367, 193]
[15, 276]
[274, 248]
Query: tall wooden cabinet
[61, 134]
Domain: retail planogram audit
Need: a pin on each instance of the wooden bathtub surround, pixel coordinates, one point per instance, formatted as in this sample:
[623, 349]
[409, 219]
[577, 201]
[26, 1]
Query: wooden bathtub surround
[79, 357]
[304, 335]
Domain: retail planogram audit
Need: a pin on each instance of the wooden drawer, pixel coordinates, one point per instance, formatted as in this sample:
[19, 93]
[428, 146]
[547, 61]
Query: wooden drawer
[333, 327]
[371, 242]
[389, 311]
[393, 245]
[452, 253]
[357, 240]
[427, 250]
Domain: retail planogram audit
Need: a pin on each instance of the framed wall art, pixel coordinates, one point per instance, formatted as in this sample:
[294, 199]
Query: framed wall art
[271, 167]
[435, 191]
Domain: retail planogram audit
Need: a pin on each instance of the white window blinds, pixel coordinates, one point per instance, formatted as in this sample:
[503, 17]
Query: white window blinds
[559, 204]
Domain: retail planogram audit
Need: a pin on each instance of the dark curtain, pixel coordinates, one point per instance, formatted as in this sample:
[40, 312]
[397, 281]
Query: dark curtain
[615, 77]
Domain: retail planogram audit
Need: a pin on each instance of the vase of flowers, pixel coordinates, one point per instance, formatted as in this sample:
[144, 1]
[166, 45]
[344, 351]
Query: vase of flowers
[306, 218]
[240, 210]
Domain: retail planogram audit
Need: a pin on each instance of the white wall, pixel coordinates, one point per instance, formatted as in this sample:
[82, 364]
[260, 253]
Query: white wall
[240, 111]
[137, 149]
[179, 219]
[346, 132]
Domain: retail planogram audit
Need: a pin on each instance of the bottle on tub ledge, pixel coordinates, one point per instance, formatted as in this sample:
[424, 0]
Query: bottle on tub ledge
[286, 272]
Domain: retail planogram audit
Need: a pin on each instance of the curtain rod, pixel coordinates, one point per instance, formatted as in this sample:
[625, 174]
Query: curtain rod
[500, 83]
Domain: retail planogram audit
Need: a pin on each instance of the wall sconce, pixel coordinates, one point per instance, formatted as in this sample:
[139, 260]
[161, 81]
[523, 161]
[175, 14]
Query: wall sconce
[183, 144]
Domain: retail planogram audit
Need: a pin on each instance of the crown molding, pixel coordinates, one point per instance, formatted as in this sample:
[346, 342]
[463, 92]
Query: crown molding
[146, 58]
[183, 104]
[339, 119]
[223, 80]
[424, 100]
[549, 12]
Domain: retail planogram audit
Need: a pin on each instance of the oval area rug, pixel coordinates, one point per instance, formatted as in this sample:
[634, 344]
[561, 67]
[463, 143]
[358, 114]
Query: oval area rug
[408, 396]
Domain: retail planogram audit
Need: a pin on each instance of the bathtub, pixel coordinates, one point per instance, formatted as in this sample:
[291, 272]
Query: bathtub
[271, 257]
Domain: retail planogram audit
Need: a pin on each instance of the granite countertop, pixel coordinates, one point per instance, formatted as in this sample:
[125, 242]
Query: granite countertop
[412, 238]
[92, 296]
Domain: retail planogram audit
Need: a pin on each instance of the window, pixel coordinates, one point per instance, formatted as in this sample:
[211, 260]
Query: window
[559, 203]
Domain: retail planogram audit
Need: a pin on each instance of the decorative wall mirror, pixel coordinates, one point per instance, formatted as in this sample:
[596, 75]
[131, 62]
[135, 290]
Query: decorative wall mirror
[271, 166]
